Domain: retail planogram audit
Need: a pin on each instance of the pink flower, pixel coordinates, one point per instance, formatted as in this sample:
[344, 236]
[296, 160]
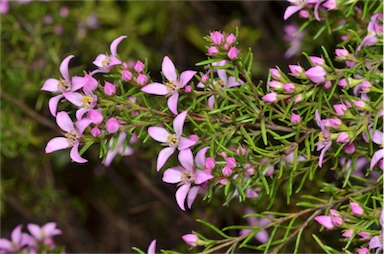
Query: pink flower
[340, 109]
[119, 148]
[377, 138]
[95, 132]
[324, 138]
[112, 125]
[275, 73]
[188, 175]
[217, 38]
[343, 137]
[126, 75]
[213, 51]
[316, 61]
[170, 88]
[262, 236]
[342, 53]
[316, 74]
[356, 209]
[190, 239]
[289, 88]
[72, 136]
[65, 86]
[376, 242]
[173, 141]
[296, 70]
[330, 4]
[233, 53]
[105, 62]
[85, 101]
[142, 79]
[109, 88]
[41, 233]
[295, 118]
[296, 6]
[139, 66]
[270, 97]
[96, 116]
[18, 240]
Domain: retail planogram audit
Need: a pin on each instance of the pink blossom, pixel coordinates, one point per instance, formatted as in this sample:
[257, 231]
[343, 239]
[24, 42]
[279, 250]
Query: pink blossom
[46, 231]
[187, 175]
[217, 38]
[349, 148]
[142, 79]
[377, 137]
[330, 4]
[65, 86]
[72, 136]
[109, 88]
[356, 209]
[95, 132]
[106, 62]
[85, 101]
[296, 70]
[112, 125]
[170, 88]
[316, 61]
[270, 97]
[119, 148]
[343, 137]
[296, 6]
[139, 66]
[96, 116]
[363, 251]
[18, 240]
[213, 51]
[342, 53]
[126, 75]
[295, 118]
[233, 53]
[340, 109]
[231, 39]
[262, 236]
[376, 243]
[172, 141]
[289, 88]
[316, 74]
[190, 239]
[275, 73]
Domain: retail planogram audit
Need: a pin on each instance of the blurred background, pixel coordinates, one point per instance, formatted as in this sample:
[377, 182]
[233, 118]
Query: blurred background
[110, 209]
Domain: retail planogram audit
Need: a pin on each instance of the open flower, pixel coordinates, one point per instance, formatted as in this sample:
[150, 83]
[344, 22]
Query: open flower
[106, 62]
[262, 236]
[187, 175]
[71, 138]
[46, 231]
[18, 240]
[119, 149]
[173, 141]
[172, 86]
[65, 85]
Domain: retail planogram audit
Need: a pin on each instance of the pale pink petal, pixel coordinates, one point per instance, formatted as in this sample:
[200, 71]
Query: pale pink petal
[75, 98]
[200, 157]
[35, 231]
[82, 124]
[378, 155]
[291, 10]
[53, 102]
[6, 245]
[163, 156]
[192, 195]
[80, 82]
[375, 242]
[377, 137]
[64, 68]
[233, 82]
[58, 143]
[158, 133]
[325, 221]
[113, 61]
[211, 101]
[222, 75]
[51, 85]
[115, 43]
[172, 175]
[99, 60]
[172, 103]
[152, 248]
[185, 143]
[262, 236]
[155, 88]
[186, 159]
[64, 121]
[110, 156]
[178, 123]
[128, 151]
[49, 227]
[80, 113]
[16, 234]
[202, 176]
[185, 77]
[75, 156]
[169, 69]
[181, 195]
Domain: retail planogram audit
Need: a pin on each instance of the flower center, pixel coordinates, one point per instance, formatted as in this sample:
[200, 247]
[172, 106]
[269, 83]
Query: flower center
[171, 87]
[72, 137]
[105, 62]
[172, 140]
[321, 136]
[187, 177]
[220, 84]
[87, 100]
[64, 86]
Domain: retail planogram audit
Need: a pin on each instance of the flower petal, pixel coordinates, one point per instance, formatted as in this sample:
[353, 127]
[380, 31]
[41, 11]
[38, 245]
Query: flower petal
[75, 98]
[186, 159]
[64, 68]
[158, 133]
[16, 234]
[51, 85]
[152, 248]
[181, 195]
[172, 103]
[115, 43]
[35, 231]
[262, 236]
[64, 121]
[222, 75]
[58, 143]
[192, 195]
[82, 124]
[233, 82]
[169, 69]
[155, 88]
[163, 156]
[49, 227]
[178, 123]
[99, 61]
[291, 10]
[6, 245]
[200, 157]
[211, 101]
[75, 156]
[185, 77]
[80, 82]
[325, 221]
[172, 175]
[202, 176]
[53, 102]
[185, 143]
[378, 155]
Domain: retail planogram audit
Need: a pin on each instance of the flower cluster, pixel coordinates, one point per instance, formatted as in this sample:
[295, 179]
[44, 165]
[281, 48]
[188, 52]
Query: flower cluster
[223, 45]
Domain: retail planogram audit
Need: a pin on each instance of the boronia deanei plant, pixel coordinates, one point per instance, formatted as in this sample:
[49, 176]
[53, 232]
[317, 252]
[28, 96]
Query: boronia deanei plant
[299, 154]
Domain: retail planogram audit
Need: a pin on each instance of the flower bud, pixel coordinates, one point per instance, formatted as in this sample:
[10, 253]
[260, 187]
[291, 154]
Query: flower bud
[328, 85]
[357, 210]
[304, 14]
[227, 171]
[210, 163]
[126, 75]
[295, 119]
[96, 116]
[342, 83]
[139, 66]
[205, 78]
[194, 137]
[348, 233]
[142, 79]
[217, 38]
[342, 53]
[343, 137]
[349, 148]
[212, 51]
[188, 88]
[317, 60]
[359, 104]
[275, 85]
[190, 239]
[231, 39]
[231, 162]
[316, 74]
[296, 70]
[365, 86]
[363, 251]
[95, 132]
[233, 53]
[330, 4]
[270, 97]
[275, 73]
[340, 109]
[112, 125]
[109, 88]
[289, 88]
